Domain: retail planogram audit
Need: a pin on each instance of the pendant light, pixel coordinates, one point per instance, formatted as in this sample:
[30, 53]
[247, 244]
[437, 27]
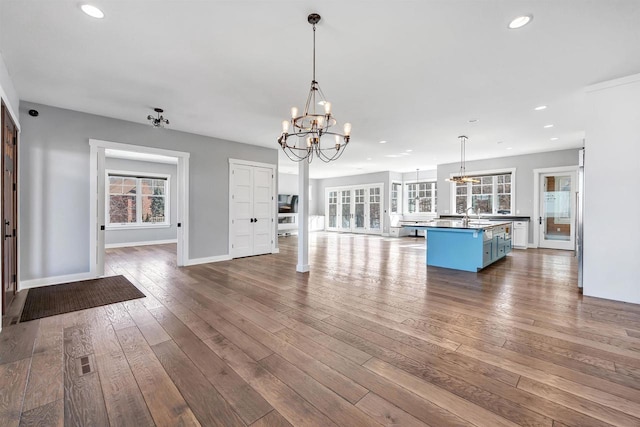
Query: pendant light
[462, 177]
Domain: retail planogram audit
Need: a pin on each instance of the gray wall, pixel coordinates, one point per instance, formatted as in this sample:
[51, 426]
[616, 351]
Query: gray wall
[524, 165]
[54, 179]
[365, 179]
[129, 236]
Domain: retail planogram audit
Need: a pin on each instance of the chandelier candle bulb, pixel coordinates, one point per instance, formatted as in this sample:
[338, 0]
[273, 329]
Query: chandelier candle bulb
[294, 112]
[285, 126]
[347, 129]
[327, 108]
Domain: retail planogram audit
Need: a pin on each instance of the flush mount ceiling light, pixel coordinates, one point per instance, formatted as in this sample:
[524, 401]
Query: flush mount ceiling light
[309, 128]
[548, 126]
[383, 142]
[462, 177]
[160, 121]
[540, 107]
[520, 22]
[92, 11]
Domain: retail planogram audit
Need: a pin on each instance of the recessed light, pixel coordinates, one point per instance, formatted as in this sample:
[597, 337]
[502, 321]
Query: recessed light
[321, 102]
[540, 107]
[520, 21]
[368, 158]
[509, 148]
[408, 151]
[92, 11]
[548, 126]
[554, 138]
[383, 142]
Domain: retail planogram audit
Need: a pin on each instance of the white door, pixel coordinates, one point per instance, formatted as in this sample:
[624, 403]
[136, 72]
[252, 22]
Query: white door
[263, 208]
[556, 222]
[345, 210]
[332, 210]
[374, 210]
[359, 210]
[252, 210]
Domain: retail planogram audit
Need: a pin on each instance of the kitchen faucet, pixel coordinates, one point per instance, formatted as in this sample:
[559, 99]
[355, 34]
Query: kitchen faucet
[465, 219]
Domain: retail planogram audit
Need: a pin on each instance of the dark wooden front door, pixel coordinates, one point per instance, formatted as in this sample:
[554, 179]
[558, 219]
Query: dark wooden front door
[9, 208]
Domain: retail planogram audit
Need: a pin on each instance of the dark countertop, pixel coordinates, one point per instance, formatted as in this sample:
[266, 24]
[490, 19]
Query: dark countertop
[446, 223]
[490, 217]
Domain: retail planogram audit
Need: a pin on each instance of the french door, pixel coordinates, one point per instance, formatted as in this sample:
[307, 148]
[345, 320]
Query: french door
[252, 227]
[354, 209]
[557, 218]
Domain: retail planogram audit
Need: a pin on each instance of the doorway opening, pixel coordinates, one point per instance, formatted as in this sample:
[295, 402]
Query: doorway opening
[139, 197]
[555, 209]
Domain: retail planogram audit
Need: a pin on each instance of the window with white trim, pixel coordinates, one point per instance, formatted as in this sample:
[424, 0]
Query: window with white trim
[422, 197]
[492, 194]
[137, 200]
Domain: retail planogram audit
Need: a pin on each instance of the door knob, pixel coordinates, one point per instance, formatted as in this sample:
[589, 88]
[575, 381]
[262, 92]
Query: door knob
[255, 219]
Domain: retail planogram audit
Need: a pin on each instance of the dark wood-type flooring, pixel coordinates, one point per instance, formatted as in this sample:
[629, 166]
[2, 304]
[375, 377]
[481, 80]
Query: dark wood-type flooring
[370, 337]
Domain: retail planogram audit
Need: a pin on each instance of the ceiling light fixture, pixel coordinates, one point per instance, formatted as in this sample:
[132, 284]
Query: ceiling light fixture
[92, 11]
[462, 177]
[520, 21]
[160, 121]
[548, 126]
[383, 142]
[554, 139]
[310, 127]
[540, 108]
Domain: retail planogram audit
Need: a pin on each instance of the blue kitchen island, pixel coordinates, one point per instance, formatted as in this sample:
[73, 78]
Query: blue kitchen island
[464, 246]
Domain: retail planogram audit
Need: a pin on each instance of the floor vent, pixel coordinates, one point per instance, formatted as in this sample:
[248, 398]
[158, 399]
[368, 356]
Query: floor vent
[84, 365]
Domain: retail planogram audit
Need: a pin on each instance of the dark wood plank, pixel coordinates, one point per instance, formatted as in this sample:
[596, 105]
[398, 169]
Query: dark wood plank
[288, 403]
[83, 401]
[13, 379]
[17, 341]
[272, 419]
[339, 410]
[164, 401]
[247, 403]
[207, 404]
[386, 413]
[49, 415]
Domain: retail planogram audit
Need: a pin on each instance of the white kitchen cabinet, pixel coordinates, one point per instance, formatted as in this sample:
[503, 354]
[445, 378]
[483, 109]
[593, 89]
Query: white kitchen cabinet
[520, 234]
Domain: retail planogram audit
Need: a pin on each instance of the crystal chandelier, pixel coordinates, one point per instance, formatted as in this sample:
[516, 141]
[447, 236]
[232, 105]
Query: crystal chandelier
[462, 177]
[305, 139]
[160, 121]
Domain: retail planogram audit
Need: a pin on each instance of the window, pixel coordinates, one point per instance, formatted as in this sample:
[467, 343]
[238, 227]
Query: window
[396, 201]
[491, 195]
[137, 201]
[422, 197]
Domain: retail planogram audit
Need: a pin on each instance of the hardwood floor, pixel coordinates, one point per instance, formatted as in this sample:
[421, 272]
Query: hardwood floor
[369, 337]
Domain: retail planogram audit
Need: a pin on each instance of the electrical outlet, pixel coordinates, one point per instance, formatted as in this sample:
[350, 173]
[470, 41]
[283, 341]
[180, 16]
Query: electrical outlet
[558, 229]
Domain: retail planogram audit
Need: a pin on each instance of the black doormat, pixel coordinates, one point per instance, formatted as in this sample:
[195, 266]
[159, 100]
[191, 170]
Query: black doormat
[65, 298]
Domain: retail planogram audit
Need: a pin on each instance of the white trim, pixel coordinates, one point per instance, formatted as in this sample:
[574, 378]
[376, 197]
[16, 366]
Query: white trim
[535, 220]
[400, 202]
[383, 208]
[182, 255]
[206, 260]
[251, 163]
[613, 83]
[147, 243]
[56, 280]
[503, 171]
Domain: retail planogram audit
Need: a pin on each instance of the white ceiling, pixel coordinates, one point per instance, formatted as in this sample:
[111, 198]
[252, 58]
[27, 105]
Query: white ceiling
[410, 72]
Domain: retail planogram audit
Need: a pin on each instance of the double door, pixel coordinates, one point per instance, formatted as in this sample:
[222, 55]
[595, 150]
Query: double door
[252, 227]
[355, 209]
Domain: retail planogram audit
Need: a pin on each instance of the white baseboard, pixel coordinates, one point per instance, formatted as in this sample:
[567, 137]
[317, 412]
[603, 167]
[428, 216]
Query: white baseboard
[46, 281]
[196, 261]
[147, 243]
[276, 251]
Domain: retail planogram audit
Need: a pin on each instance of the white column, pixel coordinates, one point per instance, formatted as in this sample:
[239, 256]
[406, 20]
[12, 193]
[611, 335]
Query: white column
[303, 217]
